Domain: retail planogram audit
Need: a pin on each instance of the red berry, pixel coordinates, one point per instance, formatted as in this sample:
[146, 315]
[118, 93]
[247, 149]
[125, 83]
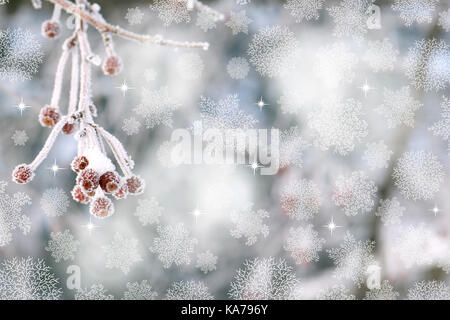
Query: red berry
[122, 192]
[79, 196]
[112, 65]
[22, 173]
[51, 29]
[135, 185]
[68, 128]
[79, 163]
[109, 181]
[48, 116]
[88, 180]
[101, 207]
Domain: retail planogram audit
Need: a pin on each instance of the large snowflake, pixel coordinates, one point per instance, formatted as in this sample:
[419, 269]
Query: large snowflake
[54, 202]
[352, 258]
[418, 175]
[429, 290]
[148, 211]
[206, 261]
[385, 292]
[173, 245]
[444, 20]
[238, 22]
[292, 147]
[11, 216]
[300, 199]
[122, 253]
[238, 68]
[157, 107]
[390, 211]
[249, 224]
[62, 245]
[336, 292]
[205, 21]
[420, 11]
[265, 279]
[27, 279]
[134, 16]
[139, 291]
[273, 51]
[377, 155]
[291, 101]
[304, 9]
[399, 107]
[188, 290]
[381, 55]
[171, 11]
[442, 127]
[337, 125]
[95, 292]
[304, 244]
[131, 126]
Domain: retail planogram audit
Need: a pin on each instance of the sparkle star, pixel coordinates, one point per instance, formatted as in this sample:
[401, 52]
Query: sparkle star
[261, 104]
[21, 106]
[197, 213]
[55, 168]
[255, 166]
[90, 226]
[124, 87]
[435, 210]
[331, 226]
[365, 88]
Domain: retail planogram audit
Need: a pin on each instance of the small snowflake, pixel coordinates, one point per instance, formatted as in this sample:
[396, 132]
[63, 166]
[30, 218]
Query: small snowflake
[171, 11]
[265, 279]
[418, 175]
[427, 64]
[292, 147]
[291, 101]
[54, 202]
[304, 9]
[62, 245]
[337, 124]
[131, 126]
[27, 279]
[442, 127]
[381, 55]
[148, 211]
[377, 155]
[205, 21]
[444, 20]
[385, 292]
[165, 155]
[273, 51]
[150, 75]
[352, 258]
[249, 224]
[122, 253]
[399, 107]
[134, 16]
[157, 107]
[429, 290]
[336, 292]
[173, 245]
[238, 22]
[300, 199]
[354, 193]
[19, 137]
[206, 261]
[190, 66]
[420, 11]
[243, 2]
[304, 244]
[335, 64]
[139, 291]
[238, 68]
[96, 292]
[188, 290]
[390, 211]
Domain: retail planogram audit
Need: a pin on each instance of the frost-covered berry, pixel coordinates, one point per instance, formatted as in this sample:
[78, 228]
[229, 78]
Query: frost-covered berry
[135, 185]
[51, 29]
[68, 128]
[101, 207]
[79, 195]
[122, 192]
[112, 65]
[88, 179]
[109, 181]
[22, 173]
[49, 116]
[79, 163]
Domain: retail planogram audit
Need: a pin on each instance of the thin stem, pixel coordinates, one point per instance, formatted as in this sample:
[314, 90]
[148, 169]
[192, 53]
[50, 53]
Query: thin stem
[74, 82]
[56, 12]
[59, 78]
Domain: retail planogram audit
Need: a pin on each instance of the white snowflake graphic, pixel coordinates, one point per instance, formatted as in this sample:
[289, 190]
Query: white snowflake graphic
[300, 199]
[399, 107]
[418, 175]
[11, 215]
[54, 202]
[390, 211]
[20, 54]
[336, 292]
[385, 292]
[27, 279]
[429, 290]
[291, 101]
[265, 279]
[150, 74]
[238, 22]
[122, 253]
[444, 20]
[190, 66]
[149, 211]
[238, 68]
[442, 127]
[377, 155]
[292, 147]
[62, 245]
[304, 9]
[352, 258]
[354, 193]
[131, 126]
[381, 55]
[249, 224]
[188, 290]
[173, 245]
[205, 21]
[243, 2]
[304, 244]
[134, 16]
[171, 11]
[139, 291]
[157, 107]
[273, 51]
[337, 125]
[19, 137]
[420, 11]
[206, 261]
[95, 292]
